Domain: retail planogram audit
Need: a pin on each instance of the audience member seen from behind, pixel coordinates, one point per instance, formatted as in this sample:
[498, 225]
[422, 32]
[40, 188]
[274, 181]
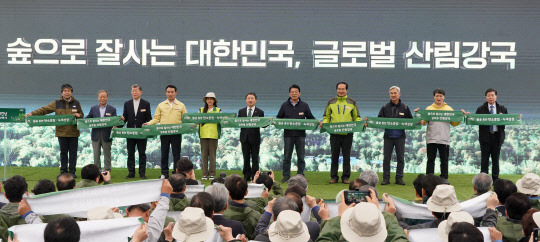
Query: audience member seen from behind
[91, 176]
[185, 166]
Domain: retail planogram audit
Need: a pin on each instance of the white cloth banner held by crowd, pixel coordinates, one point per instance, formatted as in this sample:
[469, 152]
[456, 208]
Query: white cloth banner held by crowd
[91, 231]
[432, 235]
[77, 202]
[192, 190]
[476, 207]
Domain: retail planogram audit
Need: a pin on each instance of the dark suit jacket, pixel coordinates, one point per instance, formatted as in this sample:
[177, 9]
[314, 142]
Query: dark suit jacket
[144, 114]
[105, 132]
[483, 130]
[250, 134]
[237, 227]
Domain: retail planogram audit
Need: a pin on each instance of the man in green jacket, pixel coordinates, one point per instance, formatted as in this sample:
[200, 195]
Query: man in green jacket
[237, 209]
[341, 109]
[91, 176]
[179, 200]
[342, 227]
[14, 189]
[68, 136]
[516, 206]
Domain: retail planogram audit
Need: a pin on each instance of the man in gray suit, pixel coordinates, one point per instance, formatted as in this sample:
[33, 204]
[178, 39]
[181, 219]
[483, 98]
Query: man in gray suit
[101, 136]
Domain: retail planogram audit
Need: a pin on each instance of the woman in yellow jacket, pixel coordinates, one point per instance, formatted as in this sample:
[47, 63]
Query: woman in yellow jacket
[209, 134]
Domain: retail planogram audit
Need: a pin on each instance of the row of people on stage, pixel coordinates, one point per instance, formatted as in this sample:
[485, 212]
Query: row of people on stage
[341, 108]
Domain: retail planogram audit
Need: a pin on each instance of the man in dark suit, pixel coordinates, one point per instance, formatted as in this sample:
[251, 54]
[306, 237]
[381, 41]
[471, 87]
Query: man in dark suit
[250, 138]
[491, 136]
[101, 136]
[136, 113]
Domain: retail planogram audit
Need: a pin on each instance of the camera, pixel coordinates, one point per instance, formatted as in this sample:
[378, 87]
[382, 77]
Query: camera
[268, 173]
[103, 173]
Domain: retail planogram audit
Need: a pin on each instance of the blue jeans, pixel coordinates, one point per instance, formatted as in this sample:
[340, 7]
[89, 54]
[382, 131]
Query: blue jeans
[290, 143]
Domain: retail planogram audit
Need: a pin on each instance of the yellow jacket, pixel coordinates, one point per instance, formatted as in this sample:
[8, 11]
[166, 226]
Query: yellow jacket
[167, 115]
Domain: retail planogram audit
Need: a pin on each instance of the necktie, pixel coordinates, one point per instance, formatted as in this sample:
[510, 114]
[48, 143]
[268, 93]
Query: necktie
[249, 113]
[491, 110]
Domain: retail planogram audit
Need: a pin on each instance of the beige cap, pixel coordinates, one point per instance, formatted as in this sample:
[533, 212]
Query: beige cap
[100, 213]
[454, 217]
[529, 184]
[193, 226]
[288, 227]
[364, 222]
[443, 200]
[209, 94]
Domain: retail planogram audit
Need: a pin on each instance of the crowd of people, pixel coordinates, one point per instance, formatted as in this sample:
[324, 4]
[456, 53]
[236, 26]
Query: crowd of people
[224, 209]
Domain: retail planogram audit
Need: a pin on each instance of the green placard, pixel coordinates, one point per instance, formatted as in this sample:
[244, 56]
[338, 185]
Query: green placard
[51, 120]
[90, 123]
[169, 129]
[246, 122]
[441, 116]
[129, 133]
[12, 115]
[296, 124]
[493, 119]
[344, 127]
[200, 118]
[394, 123]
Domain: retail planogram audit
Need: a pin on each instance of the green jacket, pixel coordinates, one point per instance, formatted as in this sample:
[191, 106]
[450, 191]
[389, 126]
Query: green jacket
[177, 204]
[331, 230]
[535, 203]
[341, 109]
[89, 183]
[511, 230]
[257, 203]
[9, 216]
[62, 107]
[244, 214]
[49, 218]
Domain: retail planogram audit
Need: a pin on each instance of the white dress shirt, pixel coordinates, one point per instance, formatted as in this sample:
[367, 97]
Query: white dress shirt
[136, 105]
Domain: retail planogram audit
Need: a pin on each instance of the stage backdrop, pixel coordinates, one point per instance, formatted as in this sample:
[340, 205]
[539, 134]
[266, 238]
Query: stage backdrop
[234, 47]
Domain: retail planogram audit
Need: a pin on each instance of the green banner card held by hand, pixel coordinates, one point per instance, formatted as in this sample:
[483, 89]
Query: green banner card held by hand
[344, 127]
[441, 116]
[129, 133]
[201, 118]
[246, 122]
[90, 123]
[12, 115]
[51, 120]
[169, 129]
[394, 123]
[493, 119]
[296, 124]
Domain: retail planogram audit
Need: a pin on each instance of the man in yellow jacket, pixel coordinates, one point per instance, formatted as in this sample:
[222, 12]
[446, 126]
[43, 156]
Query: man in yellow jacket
[169, 111]
[341, 109]
[438, 135]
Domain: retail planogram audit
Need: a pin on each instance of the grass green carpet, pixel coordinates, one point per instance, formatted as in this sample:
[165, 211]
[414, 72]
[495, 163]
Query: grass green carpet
[318, 181]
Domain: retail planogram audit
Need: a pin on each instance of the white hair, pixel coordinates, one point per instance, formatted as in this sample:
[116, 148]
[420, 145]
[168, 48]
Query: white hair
[395, 87]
